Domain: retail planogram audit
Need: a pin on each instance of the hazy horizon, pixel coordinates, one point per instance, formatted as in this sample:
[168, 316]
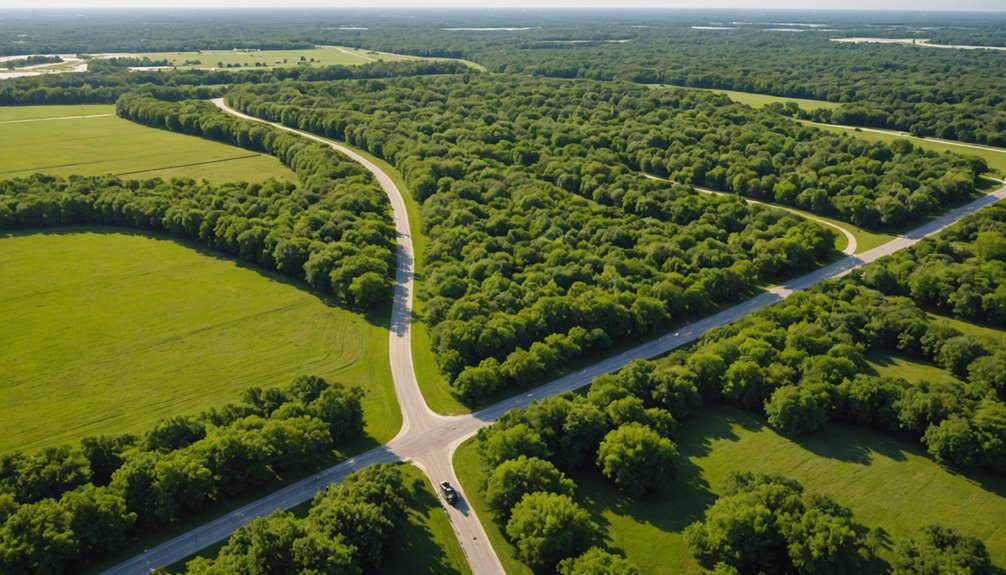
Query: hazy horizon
[650, 5]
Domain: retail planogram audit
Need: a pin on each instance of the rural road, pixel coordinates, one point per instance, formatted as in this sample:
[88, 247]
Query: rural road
[851, 244]
[429, 440]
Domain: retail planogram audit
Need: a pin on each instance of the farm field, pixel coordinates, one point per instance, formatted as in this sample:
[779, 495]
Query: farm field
[106, 331]
[318, 56]
[758, 100]
[996, 158]
[43, 139]
[888, 483]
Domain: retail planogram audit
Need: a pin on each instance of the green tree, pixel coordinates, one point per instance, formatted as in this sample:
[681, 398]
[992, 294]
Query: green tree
[637, 459]
[499, 445]
[547, 528]
[597, 561]
[512, 479]
[797, 410]
[941, 550]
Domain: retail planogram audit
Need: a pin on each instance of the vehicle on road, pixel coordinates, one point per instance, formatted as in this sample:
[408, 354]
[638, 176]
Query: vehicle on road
[450, 495]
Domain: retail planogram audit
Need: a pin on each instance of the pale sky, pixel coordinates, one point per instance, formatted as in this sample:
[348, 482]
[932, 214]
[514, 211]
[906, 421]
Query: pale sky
[914, 5]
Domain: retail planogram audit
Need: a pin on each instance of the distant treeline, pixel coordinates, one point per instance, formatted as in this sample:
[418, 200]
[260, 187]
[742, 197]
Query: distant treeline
[111, 79]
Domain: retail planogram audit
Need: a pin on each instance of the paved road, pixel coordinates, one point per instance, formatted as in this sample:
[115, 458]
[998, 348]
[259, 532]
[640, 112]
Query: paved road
[429, 440]
[849, 249]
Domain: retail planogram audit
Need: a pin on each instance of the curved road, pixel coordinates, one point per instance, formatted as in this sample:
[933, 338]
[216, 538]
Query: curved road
[851, 239]
[429, 440]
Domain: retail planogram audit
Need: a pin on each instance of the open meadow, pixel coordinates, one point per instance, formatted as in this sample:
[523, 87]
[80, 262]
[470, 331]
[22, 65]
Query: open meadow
[107, 331]
[318, 56]
[89, 140]
[890, 484]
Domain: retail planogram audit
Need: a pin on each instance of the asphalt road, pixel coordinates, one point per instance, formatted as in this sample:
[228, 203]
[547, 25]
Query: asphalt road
[851, 244]
[429, 440]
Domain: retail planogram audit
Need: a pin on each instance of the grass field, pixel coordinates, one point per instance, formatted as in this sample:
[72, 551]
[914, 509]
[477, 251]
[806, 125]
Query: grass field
[758, 100]
[889, 484]
[913, 371]
[104, 331]
[996, 158]
[35, 139]
[319, 56]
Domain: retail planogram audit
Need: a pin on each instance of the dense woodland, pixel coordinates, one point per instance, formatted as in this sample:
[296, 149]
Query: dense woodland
[333, 229]
[64, 506]
[542, 226]
[802, 363]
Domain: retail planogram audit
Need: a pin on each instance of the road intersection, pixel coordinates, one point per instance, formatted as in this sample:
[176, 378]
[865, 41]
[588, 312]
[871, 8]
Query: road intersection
[428, 439]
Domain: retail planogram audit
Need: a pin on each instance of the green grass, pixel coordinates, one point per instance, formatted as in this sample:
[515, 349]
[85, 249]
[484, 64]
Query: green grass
[106, 331]
[428, 543]
[321, 56]
[759, 100]
[910, 369]
[112, 145]
[472, 475]
[996, 158]
[889, 483]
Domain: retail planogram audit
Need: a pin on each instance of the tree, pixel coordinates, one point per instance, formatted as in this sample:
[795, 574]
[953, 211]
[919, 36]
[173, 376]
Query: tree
[765, 524]
[38, 538]
[797, 410]
[341, 409]
[941, 550]
[597, 561]
[104, 455]
[637, 459]
[369, 289]
[99, 519]
[499, 445]
[547, 527]
[49, 473]
[512, 479]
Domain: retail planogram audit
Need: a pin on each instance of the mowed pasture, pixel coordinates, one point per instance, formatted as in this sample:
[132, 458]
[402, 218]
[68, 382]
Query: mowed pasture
[90, 140]
[889, 483]
[759, 100]
[318, 56]
[107, 331]
[995, 157]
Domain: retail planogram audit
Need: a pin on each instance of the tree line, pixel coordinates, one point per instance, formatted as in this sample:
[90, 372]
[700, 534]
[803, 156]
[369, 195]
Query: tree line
[949, 94]
[332, 230]
[107, 79]
[540, 222]
[62, 507]
[351, 528]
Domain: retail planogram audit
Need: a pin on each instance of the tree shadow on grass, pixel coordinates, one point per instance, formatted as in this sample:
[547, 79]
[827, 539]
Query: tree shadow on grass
[416, 550]
[379, 317]
[686, 499]
[855, 444]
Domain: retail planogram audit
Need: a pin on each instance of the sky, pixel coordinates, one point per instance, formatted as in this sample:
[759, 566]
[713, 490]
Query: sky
[915, 5]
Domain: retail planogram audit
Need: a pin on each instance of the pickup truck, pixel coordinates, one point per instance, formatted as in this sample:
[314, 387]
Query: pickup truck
[450, 495]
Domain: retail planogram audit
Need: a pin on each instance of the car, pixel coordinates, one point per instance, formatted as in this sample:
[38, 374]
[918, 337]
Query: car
[450, 495]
